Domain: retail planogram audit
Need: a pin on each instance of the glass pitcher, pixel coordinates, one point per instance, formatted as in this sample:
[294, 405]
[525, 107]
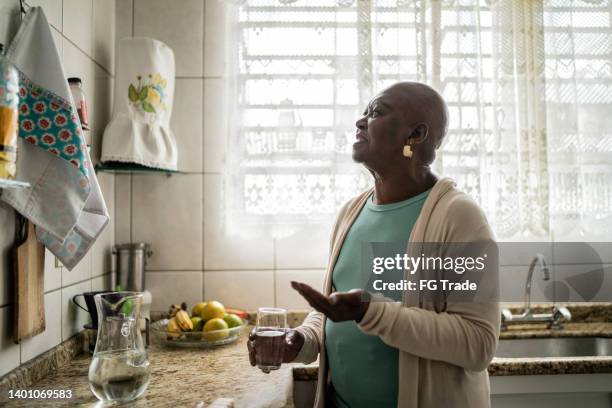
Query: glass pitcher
[119, 370]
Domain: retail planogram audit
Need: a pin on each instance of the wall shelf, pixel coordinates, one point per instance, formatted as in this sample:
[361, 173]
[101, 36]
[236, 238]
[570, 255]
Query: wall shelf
[131, 168]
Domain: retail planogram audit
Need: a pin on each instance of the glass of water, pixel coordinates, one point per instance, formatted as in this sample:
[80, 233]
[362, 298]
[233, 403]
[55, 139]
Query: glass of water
[270, 332]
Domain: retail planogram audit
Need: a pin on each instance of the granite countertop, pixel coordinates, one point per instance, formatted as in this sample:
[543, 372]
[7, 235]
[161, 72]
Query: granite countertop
[182, 377]
[540, 330]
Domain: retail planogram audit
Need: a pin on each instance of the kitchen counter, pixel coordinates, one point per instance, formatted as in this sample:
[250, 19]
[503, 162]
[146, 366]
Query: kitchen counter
[181, 378]
[540, 330]
[186, 377]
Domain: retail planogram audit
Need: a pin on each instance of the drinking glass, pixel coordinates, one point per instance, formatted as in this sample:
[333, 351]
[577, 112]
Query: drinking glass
[270, 332]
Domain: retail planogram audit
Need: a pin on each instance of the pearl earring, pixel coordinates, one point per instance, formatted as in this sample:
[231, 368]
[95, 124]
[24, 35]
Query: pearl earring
[407, 151]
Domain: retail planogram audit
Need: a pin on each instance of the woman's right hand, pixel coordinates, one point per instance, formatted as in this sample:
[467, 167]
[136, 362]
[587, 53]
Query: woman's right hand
[294, 340]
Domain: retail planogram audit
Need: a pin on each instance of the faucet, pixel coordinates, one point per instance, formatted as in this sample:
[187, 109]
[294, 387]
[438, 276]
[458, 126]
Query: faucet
[538, 260]
[553, 318]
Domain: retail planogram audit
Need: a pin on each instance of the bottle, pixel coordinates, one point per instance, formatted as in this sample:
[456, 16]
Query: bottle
[9, 116]
[79, 100]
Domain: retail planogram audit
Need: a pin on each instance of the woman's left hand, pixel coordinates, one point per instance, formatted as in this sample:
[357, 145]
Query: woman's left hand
[339, 306]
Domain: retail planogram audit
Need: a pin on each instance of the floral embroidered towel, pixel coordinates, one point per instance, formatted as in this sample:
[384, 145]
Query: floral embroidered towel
[139, 131]
[64, 200]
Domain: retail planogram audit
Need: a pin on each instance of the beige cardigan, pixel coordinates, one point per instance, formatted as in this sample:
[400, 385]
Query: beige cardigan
[443, 354]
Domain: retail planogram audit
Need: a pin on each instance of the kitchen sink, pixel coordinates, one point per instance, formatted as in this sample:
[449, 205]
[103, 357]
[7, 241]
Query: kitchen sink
[555, 347]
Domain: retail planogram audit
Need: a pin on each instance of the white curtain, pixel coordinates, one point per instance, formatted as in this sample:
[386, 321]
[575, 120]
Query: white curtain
[527, 83]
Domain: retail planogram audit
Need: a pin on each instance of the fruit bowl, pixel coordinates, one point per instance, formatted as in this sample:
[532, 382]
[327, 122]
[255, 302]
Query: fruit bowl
[195, 339]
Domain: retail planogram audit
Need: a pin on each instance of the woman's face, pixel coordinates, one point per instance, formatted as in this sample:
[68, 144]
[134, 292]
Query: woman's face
[380, 135]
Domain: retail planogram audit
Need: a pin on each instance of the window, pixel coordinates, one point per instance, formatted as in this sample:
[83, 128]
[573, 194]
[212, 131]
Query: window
[526, 82]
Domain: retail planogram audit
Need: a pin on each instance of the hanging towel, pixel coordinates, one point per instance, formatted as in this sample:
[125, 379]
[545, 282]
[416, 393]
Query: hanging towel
[139, 131]
[64, 200]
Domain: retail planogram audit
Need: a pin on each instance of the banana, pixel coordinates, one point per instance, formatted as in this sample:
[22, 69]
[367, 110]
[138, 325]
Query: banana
[173, 309]
[183, 320]
[173, 329]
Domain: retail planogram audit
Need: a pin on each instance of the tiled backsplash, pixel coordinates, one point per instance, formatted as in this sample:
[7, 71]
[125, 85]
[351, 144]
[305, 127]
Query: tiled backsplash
[84, 34]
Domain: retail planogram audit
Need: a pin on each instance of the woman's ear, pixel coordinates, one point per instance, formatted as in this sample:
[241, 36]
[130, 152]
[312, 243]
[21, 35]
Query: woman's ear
[418, 135]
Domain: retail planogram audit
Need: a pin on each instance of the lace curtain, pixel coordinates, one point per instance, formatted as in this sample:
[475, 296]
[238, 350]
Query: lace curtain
[527, 85]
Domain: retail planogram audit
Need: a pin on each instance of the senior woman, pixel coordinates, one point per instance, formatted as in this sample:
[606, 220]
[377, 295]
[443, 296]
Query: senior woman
[408, 353]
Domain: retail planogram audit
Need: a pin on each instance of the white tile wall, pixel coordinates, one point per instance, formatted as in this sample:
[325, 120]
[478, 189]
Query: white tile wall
[78, 27]
[104, 33]
[83, 32]
[73, 317]
[170, 287]
[603, 250]
[582, 252]
[53, 272]
[215, 125]
[214, 38]
[286, 296]
[123, 18]
[101, 108]
[512, 284]
[53, 329]
[229, 252]
[168, 215]
[584, 283]
[518, 253]
[80, 273]
[101, 283]
[308, 248]
[186, 123]
[100, 253]
[9, 351]
[123, 204]
[179, 26]
[241, 289]
[78, 64]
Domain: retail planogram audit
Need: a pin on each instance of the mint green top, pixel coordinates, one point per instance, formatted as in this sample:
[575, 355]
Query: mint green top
[364, 370]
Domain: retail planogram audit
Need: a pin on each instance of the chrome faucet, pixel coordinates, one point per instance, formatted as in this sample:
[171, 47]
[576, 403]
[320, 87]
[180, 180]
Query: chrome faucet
[527, 316]
[538, 260]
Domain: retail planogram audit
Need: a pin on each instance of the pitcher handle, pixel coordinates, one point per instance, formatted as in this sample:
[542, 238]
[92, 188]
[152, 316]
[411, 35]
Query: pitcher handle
[113, 267]
[77, 303]
[147, 326]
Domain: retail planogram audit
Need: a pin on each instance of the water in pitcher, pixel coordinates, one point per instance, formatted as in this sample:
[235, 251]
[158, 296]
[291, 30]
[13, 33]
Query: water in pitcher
[270, 348]
[119, 376]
